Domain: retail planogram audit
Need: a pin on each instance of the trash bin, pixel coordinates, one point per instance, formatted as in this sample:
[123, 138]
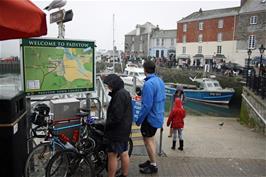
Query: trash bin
[13, 133]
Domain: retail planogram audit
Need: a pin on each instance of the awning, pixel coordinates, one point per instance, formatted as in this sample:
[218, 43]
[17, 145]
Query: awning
[21, 19]
[183, 56]
[199, 56]
[219, 56]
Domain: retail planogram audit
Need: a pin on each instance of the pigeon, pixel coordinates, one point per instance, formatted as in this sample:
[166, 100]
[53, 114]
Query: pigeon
[55, 4]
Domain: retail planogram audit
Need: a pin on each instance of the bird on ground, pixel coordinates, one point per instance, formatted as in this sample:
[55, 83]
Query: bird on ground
[55, 4]
[221, 124]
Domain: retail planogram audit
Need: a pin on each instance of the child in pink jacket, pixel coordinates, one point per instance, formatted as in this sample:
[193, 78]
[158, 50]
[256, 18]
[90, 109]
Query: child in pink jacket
[176, 120]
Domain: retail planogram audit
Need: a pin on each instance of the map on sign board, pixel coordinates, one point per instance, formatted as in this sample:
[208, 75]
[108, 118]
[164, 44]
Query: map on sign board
[57, 66]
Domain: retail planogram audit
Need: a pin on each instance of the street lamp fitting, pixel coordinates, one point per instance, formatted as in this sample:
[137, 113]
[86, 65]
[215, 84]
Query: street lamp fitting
[262, 48]
[249, 52]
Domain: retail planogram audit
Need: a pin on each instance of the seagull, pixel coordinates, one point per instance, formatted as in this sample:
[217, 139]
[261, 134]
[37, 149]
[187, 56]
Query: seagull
[221, 124]
[55, 4]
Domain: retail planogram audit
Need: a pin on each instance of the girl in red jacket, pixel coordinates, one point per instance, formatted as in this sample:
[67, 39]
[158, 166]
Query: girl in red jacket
[176, 120]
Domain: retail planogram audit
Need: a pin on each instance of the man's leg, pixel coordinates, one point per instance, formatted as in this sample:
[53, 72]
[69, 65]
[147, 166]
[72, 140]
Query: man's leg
[125, 163]
[112, 164]
[151, 148]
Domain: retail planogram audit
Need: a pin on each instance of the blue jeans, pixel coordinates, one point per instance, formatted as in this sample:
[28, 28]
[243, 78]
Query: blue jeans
[178, 131]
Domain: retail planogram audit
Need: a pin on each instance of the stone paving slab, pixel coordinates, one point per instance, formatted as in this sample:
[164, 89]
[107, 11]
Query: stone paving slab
[203, 137]
[197, 166]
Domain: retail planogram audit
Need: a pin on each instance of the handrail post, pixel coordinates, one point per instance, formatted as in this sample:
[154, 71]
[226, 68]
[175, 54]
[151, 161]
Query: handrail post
[161, 142]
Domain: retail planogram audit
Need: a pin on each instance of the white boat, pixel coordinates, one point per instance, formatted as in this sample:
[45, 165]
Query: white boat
[132, 70]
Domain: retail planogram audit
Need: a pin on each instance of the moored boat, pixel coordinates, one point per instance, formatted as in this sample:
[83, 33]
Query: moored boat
[209, 91]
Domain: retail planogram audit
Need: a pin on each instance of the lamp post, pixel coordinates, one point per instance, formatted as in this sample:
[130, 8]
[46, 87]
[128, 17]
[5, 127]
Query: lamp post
[262, 48]
[247, 79]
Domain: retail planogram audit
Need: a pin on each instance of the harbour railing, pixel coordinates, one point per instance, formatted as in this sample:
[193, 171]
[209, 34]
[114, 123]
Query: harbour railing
[256, 83]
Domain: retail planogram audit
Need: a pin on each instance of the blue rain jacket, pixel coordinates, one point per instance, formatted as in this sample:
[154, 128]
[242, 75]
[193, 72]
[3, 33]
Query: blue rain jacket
[153, 101]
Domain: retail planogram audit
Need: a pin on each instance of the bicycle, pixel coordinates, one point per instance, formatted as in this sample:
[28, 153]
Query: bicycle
[40, 155]
[92, 149]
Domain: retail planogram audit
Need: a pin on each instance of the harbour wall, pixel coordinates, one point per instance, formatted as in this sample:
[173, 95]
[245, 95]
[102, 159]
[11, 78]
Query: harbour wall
[253, 111]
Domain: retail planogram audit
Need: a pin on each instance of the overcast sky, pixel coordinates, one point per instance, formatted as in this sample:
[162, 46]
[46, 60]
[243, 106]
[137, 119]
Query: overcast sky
[93, 20]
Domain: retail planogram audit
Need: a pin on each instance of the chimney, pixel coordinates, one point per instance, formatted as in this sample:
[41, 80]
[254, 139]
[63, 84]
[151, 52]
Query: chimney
[242, 2]
[200, 10]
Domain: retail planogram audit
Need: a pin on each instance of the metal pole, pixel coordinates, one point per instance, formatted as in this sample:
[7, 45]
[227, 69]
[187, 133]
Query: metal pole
[247, 79]
[161, 142]
[134, 84]
[114, 43]
[61, 30]
[88, 102]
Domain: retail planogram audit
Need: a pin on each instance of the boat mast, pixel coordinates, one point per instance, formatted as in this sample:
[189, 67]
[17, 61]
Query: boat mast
[113, 43]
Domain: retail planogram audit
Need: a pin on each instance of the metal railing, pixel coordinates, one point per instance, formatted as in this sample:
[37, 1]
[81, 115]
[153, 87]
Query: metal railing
[256, 83]
[102, 94]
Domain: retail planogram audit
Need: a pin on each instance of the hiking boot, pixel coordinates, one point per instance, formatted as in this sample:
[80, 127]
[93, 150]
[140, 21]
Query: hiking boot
[145, 164]
[150, 169]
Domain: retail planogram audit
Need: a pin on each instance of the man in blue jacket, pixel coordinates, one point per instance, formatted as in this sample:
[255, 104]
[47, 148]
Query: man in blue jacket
[151, 115]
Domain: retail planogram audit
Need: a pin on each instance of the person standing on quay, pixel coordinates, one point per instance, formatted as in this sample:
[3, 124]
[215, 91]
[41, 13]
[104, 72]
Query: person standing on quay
[151, 115]
[118, 125]
[179, 93]
[176, 120]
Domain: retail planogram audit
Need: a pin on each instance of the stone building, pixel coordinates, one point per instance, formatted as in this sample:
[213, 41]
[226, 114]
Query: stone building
[251, 27]
[137, 42]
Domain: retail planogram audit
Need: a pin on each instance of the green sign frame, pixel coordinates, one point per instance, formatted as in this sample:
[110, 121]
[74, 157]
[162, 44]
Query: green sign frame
[57, 66]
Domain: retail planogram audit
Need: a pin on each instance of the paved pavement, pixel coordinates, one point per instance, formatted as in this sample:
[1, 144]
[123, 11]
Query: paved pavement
[209, 150]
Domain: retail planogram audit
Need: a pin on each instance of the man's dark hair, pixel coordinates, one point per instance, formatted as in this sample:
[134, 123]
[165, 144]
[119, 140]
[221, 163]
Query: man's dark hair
[149, 67]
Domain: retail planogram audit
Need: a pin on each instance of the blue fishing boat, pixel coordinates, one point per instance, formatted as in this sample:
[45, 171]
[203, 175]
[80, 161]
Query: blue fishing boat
[209, 90]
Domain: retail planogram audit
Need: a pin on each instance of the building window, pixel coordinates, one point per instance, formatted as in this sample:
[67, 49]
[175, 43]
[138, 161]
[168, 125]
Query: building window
[219, 37]
[199, 49]
[184, 27]
[251, 42]
[220, 23]
[200, 38]
[184, 50]
[162, 42]
[200, 25]
[140, 47]
[162, 53]
[157, 53]
[133, 39]
[184, 39]
[172, 41]
[253, 20]
[141, 38]
[219, 49]
[157, 41]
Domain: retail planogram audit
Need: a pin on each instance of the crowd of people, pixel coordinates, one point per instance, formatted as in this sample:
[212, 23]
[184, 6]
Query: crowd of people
[150, 119]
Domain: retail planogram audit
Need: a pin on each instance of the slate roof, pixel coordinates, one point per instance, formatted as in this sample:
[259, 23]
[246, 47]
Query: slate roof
[253, 5]
[145, 28]
[209, 14]
[164, 34]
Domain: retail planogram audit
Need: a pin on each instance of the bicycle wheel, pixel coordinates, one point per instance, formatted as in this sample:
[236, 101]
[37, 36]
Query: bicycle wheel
[67, 163]
[38, 159]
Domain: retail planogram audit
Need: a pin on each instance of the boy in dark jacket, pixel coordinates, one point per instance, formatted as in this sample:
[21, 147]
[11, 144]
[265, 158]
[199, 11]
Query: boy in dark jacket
[118, 124]
[176, 120]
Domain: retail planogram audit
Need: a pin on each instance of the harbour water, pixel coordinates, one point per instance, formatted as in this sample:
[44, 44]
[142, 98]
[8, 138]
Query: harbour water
[13, 81]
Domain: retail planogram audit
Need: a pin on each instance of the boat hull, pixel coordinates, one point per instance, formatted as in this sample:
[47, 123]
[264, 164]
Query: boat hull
[219, 97]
